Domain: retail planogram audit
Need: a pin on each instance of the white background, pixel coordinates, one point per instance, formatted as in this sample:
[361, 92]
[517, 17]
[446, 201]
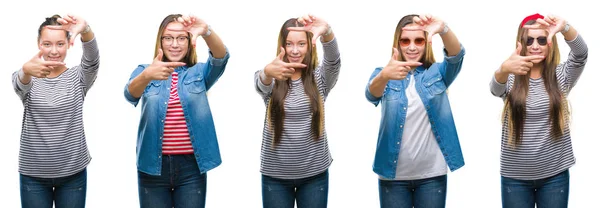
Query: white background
[126, 35]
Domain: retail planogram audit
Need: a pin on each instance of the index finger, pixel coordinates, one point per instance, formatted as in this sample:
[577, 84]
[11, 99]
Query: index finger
[410, 63]
[413, 28]
[294, 65]
[296, 29]
[56, 27]
[174, 64]
[53, 63]
[532, 57]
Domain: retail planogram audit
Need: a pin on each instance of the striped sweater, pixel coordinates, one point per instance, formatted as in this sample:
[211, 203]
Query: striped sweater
[539, 156]
[52, 135]
[298, 155]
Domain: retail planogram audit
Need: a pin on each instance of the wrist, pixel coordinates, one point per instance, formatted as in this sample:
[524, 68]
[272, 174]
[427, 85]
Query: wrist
[382, 76]
[566, 28]
[263, 75]
[22, 73]
[327, 33]
[445, 29]
[24, 70]
[208, 32]
[86, 30]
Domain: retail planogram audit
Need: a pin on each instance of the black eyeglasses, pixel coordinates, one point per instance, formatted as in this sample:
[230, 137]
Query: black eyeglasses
[542, 40]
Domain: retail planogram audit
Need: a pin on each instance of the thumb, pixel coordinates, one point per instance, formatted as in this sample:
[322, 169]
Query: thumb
[519, 48]
[159, 56]
[281, 54]
[194, 37]
[430, 37]
[396, 54]
[549, 38]
[39, 55]
[72, 39]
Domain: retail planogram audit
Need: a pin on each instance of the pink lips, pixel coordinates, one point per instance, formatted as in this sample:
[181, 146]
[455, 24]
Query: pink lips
[294, 59]
[412, 56]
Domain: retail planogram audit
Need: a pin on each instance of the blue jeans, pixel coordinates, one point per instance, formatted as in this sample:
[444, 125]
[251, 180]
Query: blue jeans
[551, 192]
[64, 192]
[310, 192]
[180, 184]
[421, 193]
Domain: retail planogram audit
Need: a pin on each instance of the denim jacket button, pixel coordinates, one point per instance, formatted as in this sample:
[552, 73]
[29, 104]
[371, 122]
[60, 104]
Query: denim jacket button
[400, 126]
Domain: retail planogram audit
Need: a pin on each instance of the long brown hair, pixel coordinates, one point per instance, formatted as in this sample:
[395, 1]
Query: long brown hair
[275, 108]
[190, 56]
[515, 104]
[428, 58]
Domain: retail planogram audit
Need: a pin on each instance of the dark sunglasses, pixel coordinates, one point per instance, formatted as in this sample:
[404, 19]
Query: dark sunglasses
[541, 40]
[406, 42]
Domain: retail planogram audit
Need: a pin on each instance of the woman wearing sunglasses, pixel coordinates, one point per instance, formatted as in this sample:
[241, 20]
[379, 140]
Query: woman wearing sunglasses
[417, 136]
[536, 151]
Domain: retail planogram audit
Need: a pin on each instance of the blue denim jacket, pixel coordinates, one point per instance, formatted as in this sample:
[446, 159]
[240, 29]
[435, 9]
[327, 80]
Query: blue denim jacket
[431, 86]
[193, 84]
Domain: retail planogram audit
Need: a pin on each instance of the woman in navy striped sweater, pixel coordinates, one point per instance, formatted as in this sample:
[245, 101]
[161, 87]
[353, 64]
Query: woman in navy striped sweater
[536, 142]
[53, 156]
[294, 86]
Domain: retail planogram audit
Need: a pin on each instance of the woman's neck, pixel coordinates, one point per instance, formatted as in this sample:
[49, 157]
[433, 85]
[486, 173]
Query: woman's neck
[57, 71]
[536, 71]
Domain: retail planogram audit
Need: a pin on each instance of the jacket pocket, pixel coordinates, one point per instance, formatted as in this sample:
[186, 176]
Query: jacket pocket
[435, 85]
[153, 88]
[392, 93]
[195, 84]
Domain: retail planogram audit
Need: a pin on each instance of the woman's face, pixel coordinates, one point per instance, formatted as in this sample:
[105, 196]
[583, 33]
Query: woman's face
[175, 42]
[537, 43]
[54, 44]
[296, 46]
[412, 44]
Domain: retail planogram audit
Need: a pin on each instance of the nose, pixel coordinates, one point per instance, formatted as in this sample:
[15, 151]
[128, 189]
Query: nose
[535, 45]
[412, 46]
[295, 49]
[54, 49]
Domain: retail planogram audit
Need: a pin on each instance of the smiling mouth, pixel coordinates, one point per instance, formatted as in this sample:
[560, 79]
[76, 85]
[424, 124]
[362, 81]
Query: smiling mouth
[413, 55]
[294, 58]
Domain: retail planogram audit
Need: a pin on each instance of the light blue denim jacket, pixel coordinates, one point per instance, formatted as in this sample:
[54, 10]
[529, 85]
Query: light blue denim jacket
[431, 86]
[193, 84]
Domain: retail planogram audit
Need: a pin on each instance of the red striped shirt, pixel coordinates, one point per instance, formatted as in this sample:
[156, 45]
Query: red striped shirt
[176, 138]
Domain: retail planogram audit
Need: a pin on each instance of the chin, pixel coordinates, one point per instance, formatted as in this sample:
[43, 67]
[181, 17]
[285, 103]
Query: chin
[175, 59]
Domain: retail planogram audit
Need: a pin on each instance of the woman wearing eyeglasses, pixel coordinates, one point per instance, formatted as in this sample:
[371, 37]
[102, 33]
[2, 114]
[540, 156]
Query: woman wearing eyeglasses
[53, 156]
[176, 143]
[536, 151]
[417, 137]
